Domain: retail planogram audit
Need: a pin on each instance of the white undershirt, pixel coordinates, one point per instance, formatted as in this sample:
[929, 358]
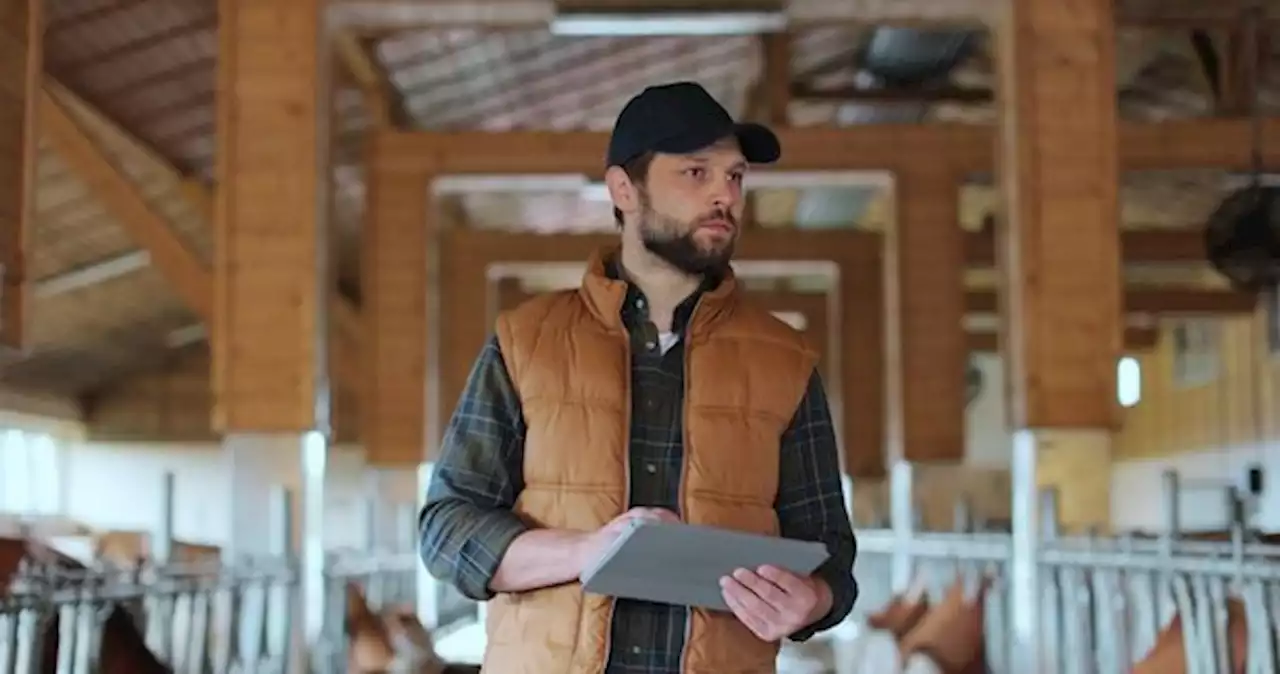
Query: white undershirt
[666, 340]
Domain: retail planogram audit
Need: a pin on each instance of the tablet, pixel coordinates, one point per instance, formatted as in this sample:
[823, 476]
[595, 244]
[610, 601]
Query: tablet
[683, 563]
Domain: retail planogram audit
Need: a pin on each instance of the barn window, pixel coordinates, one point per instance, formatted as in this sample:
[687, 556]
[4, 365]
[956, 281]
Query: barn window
[1196, 352]
[30, 483]
[1128, 381]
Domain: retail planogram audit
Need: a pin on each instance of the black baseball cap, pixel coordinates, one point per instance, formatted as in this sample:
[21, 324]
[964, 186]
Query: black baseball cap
[680, 118]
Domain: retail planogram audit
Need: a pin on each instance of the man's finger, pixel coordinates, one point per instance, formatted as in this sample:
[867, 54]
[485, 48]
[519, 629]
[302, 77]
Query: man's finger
[652, 514]
[765, 590]
[760, 606]
[735, 595]
[664, 515]
[787, 581]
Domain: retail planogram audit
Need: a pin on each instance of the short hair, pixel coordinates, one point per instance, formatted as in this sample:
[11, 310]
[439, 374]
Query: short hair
[637, 170]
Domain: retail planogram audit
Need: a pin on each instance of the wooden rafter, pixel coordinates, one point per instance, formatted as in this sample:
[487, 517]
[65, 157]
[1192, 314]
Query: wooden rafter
[121, 197]
[381, 96]
[190, 277]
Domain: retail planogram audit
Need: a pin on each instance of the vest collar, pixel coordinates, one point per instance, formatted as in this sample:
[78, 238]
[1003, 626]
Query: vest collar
[604, 294]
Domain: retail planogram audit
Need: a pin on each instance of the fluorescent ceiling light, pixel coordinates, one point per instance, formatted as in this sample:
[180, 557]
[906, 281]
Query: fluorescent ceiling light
[187, 336]
[667, 23]
[92, 274]
[463, 184]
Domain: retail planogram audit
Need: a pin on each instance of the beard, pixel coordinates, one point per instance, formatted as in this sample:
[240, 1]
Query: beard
[662, 236]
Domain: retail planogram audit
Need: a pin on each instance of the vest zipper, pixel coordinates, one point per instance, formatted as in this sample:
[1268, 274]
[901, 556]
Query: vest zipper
[683, 496]
[626, 477]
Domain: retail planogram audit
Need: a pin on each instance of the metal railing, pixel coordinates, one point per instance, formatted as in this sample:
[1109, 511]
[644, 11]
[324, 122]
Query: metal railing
[207, 619]
[213, 617]
[1101, 602]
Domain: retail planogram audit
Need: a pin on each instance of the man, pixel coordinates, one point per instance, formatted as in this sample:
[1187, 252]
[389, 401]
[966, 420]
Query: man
[655, 390]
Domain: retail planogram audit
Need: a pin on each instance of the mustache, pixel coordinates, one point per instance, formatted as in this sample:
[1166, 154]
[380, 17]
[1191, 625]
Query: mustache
[718, 216]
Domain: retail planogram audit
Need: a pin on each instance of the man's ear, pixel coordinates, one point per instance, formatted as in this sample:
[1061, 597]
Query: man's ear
[621, 190]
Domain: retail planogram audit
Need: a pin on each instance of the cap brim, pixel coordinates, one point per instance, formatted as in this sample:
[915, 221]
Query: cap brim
[758, 143]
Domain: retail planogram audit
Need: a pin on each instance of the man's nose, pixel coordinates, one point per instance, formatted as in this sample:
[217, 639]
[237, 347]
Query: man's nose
[726, 194]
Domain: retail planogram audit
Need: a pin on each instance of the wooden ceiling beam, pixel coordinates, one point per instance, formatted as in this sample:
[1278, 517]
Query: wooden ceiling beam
[789, 244]
[1202, 143]
[1148, 300]
[1136, 340]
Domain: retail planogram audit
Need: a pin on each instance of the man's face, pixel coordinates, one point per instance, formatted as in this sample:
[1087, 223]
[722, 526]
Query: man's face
[691, 207]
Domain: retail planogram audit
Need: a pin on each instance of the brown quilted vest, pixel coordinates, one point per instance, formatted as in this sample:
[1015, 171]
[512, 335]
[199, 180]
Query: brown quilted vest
[568, 355]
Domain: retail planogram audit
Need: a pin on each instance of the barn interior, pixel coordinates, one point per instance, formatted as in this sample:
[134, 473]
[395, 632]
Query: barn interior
[1049, 323]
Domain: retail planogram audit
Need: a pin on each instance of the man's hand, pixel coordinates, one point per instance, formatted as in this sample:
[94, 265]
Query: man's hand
[774, 603]
[594, 543]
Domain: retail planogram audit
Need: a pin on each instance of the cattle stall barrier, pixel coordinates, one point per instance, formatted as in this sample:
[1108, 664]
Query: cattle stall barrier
[1103, 601]
[1105, 604]
[213, 615]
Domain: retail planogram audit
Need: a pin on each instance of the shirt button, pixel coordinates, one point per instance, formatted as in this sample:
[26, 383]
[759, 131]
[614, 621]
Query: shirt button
[635, 650]
[650, 468]
[640, 303]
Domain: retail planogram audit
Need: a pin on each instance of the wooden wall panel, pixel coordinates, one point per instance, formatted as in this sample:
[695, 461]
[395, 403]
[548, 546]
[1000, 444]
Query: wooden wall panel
[1240, 407]
[937, 489]
[1078, 465]
[174, 405]
[170, 405]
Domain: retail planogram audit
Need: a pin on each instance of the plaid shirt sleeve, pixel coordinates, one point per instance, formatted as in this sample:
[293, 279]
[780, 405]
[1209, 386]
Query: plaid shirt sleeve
[467, 523]
[811, 503]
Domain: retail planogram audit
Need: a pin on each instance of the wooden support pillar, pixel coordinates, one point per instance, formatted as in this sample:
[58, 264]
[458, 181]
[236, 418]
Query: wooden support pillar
[465, 324]
[20, 75]
[272, 281]
[862, 367]
[817, 327]
[271, 278]
[509, 293]
[925, 342]
[1059, 256]
[395, 265]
